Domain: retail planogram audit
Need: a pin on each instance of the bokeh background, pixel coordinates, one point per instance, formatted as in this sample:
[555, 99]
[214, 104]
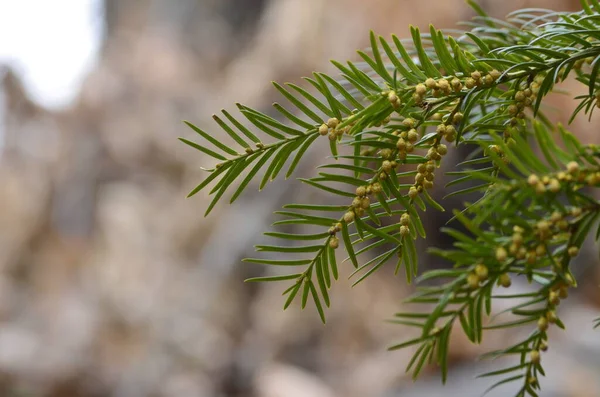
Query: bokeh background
[113, 284]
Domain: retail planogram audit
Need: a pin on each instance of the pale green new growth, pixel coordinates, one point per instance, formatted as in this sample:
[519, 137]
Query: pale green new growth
[393, 119]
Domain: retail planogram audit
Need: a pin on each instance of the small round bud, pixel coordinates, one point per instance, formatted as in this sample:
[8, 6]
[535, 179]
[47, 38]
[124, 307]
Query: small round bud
[386, 166]
[482, 272]
[365, 203]
[441, 129]
[412, 135]
[409, 122]
[338, 227]
[405, 219]
[469, 82]
[419, 178]
[457, 118]
[456, 84]
[427, 184]
[473, 281]
[392, 97]
[543, 226]
[356, 202]
[413, 192]
[394, 164]
[543, 346]
[504, 280]
[420, 89]
[430, 83]
[332, 136]
[432, 154]
[540, 188]
[501, 254]
[576, 211]
[361, 191]
[401, 144]
[517, 238]
[562, 176]
[554, 185]
[518, 229]
[533, 180]
[573, 251]
[532, 380]
[531, 257]
[385, 153]
[429, 177]
[563, 224]
[442, 149]
[249, 150]
[495, 74]
[542, 324]
[331, 231]
[540, 250]
[450, 138]
[422, 168]
[572, 167]
[430, 167]
[334, 242]
[535, 357]
[519, 96]
[349, 217]
[443, 85]
[409, 147]
[376, 188]
[554, 298]
[332, 122]
[323, 129]
[404, 231]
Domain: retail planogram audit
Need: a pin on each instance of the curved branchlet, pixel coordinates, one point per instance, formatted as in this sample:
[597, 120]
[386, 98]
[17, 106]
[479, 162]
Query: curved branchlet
[389, 122]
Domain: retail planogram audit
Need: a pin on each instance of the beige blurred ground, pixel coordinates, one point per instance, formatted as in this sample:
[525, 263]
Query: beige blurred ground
[112, 283]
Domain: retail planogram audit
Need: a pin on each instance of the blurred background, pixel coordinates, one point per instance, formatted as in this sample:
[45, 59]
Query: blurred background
[113, 284]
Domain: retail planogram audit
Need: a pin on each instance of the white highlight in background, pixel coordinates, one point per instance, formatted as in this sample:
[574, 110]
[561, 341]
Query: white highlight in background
[51, 44]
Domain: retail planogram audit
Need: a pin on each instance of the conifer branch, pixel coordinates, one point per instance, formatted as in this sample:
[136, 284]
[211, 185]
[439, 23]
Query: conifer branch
[389, 120]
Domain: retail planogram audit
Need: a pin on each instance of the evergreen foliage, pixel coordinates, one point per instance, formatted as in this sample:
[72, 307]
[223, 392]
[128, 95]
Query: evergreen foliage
[385, 120]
